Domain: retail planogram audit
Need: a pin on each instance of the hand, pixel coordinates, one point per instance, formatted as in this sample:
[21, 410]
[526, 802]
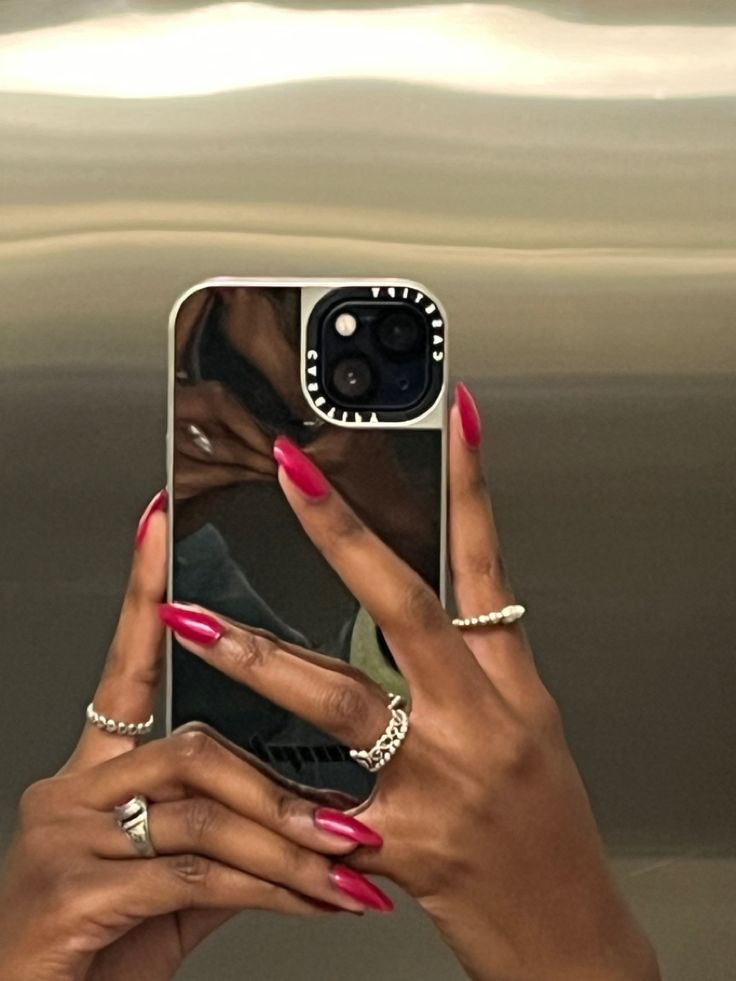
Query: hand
[77, 902]
[217, 443]
[486, 819]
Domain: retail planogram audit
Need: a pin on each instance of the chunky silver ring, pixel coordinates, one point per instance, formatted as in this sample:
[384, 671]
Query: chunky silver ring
[132, 819]
[509, 614]
[375, 758]
[118, 728]
[200, 439]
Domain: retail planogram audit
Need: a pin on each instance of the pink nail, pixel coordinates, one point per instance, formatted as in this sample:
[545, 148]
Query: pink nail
[358, 887]
[200, 628]
[300, 470]
[337, 823]
[158, 503]
[469, 416]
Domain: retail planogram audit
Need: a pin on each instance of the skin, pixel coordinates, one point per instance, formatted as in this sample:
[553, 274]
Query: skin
[76, 901]
[510, 867]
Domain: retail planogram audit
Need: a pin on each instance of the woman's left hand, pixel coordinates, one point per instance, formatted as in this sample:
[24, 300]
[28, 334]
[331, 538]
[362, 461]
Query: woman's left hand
[484, 816]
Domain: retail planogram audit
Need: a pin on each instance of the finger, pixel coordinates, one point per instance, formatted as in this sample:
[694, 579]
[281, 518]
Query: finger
[202, 826]
[127, 688]
[327, 693]
[478, 576]
[210, 401]
[192, 478]
[193, 762]
[145, 888]
[428, 649]
[224, 449]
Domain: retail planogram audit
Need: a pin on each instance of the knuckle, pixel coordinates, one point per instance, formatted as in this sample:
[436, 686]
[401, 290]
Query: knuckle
[346, 706]
[201, 816]
[477, 485]
[518, 753]
[246, 650]
[421, 606]
[345, 525]
[286, 807]
[191, 748]
[33, 803]
[190, 869]
[484, 565]
[548, 717]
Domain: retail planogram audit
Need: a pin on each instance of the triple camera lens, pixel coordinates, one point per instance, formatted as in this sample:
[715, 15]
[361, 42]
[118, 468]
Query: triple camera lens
[374, 355]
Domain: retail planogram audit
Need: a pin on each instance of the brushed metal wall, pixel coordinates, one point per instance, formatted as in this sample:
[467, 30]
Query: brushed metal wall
[562, 175]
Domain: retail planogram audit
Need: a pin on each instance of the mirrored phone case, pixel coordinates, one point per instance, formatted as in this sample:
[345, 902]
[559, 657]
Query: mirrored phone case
[353, 372]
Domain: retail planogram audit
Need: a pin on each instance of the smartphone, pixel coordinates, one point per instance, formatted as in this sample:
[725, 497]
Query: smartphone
[354, 372]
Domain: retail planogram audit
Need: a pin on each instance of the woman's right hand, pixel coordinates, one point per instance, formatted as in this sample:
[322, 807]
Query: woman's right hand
[76, 900]
[486, 818]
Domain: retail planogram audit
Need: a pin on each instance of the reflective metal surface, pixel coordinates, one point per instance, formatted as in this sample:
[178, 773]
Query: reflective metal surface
[562, 175]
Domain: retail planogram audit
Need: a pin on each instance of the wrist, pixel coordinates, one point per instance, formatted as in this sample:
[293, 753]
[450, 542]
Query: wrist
[617, 951]
[32, 958]
[30, 965]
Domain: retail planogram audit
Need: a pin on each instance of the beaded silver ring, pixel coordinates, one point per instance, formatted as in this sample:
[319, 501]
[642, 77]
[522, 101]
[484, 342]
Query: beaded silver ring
[96, 718]
[509, 614]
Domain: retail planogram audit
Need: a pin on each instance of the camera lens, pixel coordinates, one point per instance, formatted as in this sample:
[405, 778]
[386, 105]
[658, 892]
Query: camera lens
[399, 333]
[352, 378]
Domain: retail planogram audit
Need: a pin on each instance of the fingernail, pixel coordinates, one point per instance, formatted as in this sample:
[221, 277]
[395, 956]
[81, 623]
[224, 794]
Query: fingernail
[300, 470]
[200, 628]
[358, 887]
[158, 503]
[469, 416]
[337, 823]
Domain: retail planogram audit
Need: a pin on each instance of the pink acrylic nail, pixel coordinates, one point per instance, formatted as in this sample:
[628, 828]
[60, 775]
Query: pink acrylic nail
[300, 470]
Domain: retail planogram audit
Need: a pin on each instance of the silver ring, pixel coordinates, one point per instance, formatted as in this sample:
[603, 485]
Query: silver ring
[132, 819]
[375, 758]
[509, 614]
[200, 439]
[118, 728]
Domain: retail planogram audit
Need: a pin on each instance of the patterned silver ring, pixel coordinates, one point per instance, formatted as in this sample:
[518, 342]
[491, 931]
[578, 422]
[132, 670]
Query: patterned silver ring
[509, 614]
[375, 758]
[96, 718]
[132, 819]
[200, 439]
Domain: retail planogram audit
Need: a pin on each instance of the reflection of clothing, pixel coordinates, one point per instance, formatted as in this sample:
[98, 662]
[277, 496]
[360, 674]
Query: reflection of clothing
[205, 573]
[365, 654]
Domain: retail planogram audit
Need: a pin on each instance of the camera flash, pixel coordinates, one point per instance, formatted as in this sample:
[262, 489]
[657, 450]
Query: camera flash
[346, 324]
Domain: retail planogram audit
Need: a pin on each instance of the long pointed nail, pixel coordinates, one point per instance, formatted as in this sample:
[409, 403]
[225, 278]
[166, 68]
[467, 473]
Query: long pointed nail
[337, 823]
[200, 628]
[358, 887]
[159, 502]
[300, 470]
[469, 416]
